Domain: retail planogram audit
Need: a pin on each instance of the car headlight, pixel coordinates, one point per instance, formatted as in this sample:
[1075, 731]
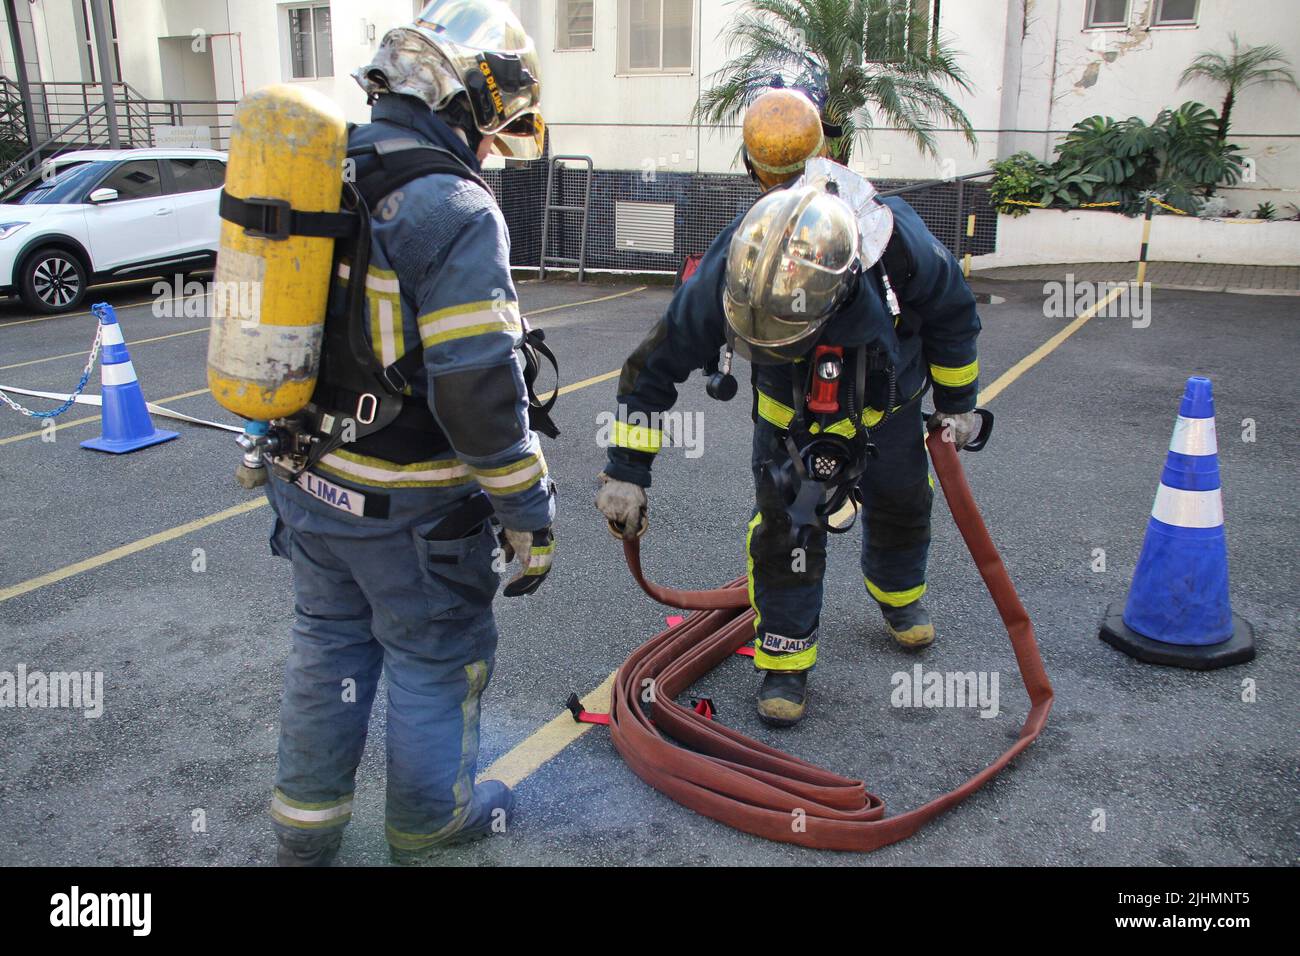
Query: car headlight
[7, 229]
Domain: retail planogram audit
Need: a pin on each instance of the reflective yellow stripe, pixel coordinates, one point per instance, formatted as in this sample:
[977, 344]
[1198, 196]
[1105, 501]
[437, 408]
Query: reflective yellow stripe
[512, 478]
[476, 678]
[637, 437]
[896, 598]
[783, 662]
[365, 470]
[955, 377]
[770, 410]
[749, 566]
[470, 319]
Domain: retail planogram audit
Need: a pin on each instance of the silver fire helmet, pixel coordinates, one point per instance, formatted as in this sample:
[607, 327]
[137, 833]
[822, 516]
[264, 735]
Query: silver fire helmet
[791, 263]
[875, 219]
[473, 47]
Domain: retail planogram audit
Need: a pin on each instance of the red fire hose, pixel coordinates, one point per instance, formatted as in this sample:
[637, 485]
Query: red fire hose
[723, 774]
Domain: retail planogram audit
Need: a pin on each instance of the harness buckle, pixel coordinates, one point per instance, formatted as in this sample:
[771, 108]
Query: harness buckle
[372, 406]
[272, 218]
[394, 379]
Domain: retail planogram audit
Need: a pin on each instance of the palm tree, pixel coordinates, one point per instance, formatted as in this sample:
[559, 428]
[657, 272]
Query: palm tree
[853, 55]
[1242, 68]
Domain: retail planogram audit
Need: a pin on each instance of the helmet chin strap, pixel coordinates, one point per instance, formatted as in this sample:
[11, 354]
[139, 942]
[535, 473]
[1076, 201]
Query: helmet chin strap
[457, 115]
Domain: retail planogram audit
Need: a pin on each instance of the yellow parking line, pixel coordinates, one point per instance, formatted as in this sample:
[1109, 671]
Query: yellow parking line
[125, 305]
[132, 344]
[1037, 355]
[161, 537]
[94, 418]
[548, 740]
[126, 550]
[553, 737]
[570, 305]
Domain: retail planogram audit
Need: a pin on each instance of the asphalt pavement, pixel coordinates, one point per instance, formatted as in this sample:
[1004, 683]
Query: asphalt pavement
[1138, 764]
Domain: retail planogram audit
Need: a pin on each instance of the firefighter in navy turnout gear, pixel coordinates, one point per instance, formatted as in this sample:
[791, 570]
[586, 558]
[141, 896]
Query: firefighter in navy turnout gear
[390, 538]
[848, 309]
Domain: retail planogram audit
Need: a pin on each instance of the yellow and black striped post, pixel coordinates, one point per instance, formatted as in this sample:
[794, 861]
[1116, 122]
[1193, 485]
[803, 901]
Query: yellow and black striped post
[970, 236]
[1146, 243]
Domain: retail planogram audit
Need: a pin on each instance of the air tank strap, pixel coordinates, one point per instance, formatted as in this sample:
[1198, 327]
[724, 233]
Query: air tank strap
[264, 218]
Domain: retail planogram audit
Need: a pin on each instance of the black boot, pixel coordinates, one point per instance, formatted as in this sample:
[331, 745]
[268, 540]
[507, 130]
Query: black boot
[783, 698]
[307, 852]
[910, 625]
[489, 811]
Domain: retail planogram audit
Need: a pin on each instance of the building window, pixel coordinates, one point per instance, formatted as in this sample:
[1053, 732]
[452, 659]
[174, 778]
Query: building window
[86, 29]
[573, 29]
[1175, 13]
[900, 26]
[655, 36]
[1107, 14]
[311, 52]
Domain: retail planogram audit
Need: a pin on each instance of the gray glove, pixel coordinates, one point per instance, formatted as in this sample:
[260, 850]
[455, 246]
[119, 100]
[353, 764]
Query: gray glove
[534, 550]
[624, 506]
[960, 428]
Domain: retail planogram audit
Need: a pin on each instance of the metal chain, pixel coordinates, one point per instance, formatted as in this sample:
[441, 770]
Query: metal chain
[81, 385]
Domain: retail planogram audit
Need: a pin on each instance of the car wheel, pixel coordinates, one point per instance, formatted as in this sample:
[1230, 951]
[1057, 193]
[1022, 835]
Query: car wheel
[53, 280]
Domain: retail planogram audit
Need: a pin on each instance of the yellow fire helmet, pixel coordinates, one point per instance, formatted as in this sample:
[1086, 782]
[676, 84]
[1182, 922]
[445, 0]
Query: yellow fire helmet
[783, 130]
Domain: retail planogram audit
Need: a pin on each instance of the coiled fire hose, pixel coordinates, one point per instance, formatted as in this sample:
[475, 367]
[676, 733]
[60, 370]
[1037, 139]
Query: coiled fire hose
[745, 784]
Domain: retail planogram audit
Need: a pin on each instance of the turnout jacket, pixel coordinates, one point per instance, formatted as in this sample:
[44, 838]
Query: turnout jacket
[932, 341]
[439, 279]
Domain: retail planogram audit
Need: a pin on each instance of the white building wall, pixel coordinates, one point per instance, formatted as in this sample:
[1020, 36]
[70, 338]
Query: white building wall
[1034, 71]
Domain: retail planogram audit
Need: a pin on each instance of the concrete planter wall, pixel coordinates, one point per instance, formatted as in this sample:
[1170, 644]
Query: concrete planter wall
[1052, 235]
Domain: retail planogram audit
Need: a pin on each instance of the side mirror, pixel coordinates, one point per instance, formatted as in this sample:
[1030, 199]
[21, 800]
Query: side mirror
[103, 194]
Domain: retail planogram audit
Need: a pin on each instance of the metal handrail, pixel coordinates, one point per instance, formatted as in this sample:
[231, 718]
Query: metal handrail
[31, 154]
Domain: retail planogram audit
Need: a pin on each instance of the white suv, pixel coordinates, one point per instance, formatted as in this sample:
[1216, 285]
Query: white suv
[101, 215]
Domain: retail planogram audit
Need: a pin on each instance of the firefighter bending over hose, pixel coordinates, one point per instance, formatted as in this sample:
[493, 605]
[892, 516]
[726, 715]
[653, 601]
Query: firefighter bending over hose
[848, 309]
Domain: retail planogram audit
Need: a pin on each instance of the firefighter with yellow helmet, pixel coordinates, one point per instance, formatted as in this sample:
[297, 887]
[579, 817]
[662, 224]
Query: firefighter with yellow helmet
[848, 309]
[418, 438]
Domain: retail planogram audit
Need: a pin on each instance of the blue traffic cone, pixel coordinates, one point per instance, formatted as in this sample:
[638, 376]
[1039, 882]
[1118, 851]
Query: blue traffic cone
[1178, 611]
[125, 424]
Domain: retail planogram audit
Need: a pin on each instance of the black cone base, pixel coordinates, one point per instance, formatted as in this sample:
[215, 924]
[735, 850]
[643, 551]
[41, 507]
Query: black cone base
[1204, 657]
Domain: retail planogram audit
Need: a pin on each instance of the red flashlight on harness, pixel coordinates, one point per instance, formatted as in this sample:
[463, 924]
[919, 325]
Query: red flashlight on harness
[828, 368]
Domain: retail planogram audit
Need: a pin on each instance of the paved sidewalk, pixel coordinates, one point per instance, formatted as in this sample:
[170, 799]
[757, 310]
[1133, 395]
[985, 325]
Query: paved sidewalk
[1198, 276]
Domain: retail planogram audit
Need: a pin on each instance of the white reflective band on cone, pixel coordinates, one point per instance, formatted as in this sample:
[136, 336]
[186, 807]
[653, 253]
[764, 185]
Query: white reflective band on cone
[123, 373]
[1188, 509]
[111, 335]
[1194, 436]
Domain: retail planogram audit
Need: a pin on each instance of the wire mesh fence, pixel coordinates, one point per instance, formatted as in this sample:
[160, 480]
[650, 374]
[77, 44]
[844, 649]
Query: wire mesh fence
[651, 222]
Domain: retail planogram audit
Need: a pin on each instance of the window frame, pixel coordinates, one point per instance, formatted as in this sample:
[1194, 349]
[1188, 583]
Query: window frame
[311, 7]
[623, 60]
[561, 7]
[172, 182]
[113, 170]
[1158, 9]
[1089, 12]
[931, 40]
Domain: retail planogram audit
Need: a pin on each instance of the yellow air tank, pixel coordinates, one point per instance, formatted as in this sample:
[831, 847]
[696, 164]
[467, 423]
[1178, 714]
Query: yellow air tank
[782, 131]
[287, 143]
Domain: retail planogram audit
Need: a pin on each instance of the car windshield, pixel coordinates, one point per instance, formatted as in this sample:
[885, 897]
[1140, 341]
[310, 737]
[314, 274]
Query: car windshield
[65, 185]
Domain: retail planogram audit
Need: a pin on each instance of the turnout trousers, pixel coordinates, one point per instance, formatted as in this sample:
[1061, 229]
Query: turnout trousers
[785, 583]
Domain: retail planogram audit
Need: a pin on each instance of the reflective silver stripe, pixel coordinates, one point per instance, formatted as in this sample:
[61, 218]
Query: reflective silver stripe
[1188, 509]
[1194, 436]
[123, 373]
[382, 476]
[283, 809]
[112, 335]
